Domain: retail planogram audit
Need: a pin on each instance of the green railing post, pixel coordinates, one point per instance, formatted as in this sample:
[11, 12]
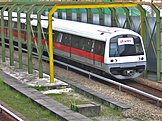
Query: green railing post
[40, 51]
[158, 42]
[29, 39]
[3, 33]
[68, 14]
[78, 14]
[101, 18]
[127, 21]
[89, 15]
[19, 36]
[59, 14]
[142, 23]
[143, 27]
[113, 17]
[10, 28]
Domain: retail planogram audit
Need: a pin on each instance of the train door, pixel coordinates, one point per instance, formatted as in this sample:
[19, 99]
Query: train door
[66, 44]
[90, 48]
[76, 45]
[81, 49]
[99, 53]
[62, 44]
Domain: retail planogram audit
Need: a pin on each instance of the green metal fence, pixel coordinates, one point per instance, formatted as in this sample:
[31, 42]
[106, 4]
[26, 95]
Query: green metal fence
[40, 8]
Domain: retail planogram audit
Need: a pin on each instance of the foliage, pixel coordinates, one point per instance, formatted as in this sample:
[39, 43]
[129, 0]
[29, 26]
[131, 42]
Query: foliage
[39, 88]
[24, 105]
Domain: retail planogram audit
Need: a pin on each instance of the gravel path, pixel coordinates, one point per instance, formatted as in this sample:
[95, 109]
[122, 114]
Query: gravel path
[140, 110]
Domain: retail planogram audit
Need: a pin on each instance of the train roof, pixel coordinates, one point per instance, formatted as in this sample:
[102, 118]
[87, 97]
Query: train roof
[84, 29]
[77, 28]
[88, 30]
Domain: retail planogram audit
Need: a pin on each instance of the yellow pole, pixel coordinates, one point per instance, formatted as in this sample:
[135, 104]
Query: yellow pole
[67, 6]
[51, 45]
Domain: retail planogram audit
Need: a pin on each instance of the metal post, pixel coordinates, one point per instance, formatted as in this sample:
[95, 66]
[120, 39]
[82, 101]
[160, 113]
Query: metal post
[158, 42]
[10, 26]
[51, 45]
[89, 16]
[78, 14]
[40, 51]
[19, 36]
[101, 17]
[127, 21]
[2, 33]
[143, 23]
[68, 14]
[59, 14]
[143, 27]
[113, 16]
[29, 39]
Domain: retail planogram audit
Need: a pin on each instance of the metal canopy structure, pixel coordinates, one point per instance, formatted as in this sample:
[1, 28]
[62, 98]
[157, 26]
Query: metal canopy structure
[83, 5]
[39, 8]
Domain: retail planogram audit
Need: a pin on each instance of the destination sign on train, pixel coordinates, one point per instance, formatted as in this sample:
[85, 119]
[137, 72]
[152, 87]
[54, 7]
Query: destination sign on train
[125, 41]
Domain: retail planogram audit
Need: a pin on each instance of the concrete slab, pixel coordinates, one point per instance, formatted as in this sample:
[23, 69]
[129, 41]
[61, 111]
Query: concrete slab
[90, 109]
[56, 108]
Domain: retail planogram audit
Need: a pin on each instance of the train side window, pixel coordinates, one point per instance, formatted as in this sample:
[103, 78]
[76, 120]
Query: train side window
[89, 45]
[14, 25]
[99, 48]
[66, 39]
[23, 26]
[113, 49]
[138, 48]
[55, 35]
[93, 44]
[76, 41]
[82, 43]
[70, 38]
[58, 38]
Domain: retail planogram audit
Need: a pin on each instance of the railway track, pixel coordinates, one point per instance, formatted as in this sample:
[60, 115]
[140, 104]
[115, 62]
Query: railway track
[7, 115]
[144, 92]
[146, 88]
[141, 91]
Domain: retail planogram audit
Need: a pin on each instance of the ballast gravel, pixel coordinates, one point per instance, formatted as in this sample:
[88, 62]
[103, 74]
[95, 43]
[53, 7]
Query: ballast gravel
[140, 110]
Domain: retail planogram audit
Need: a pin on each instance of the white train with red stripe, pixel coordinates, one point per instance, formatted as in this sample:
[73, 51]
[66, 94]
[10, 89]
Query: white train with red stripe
[116, 51]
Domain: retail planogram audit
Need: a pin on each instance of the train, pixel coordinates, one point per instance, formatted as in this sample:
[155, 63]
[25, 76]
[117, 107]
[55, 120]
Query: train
[115, 51]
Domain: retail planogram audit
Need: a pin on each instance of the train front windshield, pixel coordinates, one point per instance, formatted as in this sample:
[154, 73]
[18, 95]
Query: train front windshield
[125, 45]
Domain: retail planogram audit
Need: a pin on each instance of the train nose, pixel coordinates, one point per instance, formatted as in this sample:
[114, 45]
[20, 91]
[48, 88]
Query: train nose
[128, 72]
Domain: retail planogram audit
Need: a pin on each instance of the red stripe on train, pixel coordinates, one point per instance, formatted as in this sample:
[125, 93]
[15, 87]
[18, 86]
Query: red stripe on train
[79, 52]
[59, 46]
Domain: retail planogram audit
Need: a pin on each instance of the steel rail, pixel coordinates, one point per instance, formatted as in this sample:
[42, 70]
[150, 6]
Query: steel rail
[120, 85]
[2, 108]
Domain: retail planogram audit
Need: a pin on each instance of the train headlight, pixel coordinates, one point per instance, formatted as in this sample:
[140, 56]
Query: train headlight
[128, 72]
[141, 58]
[113, 60]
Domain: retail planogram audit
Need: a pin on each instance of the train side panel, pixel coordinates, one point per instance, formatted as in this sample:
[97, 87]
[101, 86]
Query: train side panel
[80, 49]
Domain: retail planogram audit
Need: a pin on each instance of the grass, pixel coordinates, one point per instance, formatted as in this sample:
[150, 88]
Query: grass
[34, 112]
[23, 105]
[39, 88]
[68, 99]
[73, 98]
